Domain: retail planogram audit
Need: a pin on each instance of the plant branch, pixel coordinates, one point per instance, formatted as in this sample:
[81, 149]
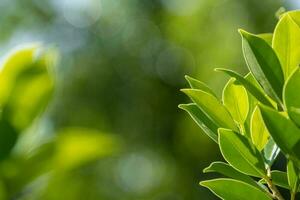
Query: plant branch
[275, 192]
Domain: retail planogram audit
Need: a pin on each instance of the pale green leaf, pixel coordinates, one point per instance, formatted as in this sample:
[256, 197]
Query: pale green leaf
[286, 43]
[212, 107]
[235, 99]
[259, 132]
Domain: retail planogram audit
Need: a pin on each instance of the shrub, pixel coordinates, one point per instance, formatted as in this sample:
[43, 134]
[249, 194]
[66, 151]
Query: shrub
[258, 116]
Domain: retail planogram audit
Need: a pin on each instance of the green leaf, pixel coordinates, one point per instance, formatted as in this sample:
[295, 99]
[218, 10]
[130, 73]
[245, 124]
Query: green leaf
[248, 85]
[291, 96]
[212, 107]
[286, 43]
[240, 153]
[284, 132]
[292, 174]
[8, 138]
[235, 99]
[78, 146]
[259, 132]
[263, 64]
[230, 172]
[230, 189]
[196, 84]
[279, 178]
[28, 84]
[205, 123]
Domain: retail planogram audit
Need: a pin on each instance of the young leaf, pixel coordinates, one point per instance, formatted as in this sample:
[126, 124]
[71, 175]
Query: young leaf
[284, 132]
[286, 43]
[263, 64]
[212, 107]
[291, 96]
[230, 172]
[240, 153]
[235, 99]
[292, 174]
[196, 84]
[248, 85]
[279, 178]
[206, 124]
[230, 189]
[259, 132]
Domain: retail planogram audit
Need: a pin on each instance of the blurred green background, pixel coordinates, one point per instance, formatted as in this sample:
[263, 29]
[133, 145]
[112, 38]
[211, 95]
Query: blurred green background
[122, 63]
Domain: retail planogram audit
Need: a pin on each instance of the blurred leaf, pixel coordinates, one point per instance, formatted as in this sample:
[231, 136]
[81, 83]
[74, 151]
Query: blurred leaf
[196, 84]
[205, 123]
[263, 64]
[291, 96]
[230, 189]
[286, 43]
[241, 154]
[259, 95]
[212, 107]
[292, 175]
[78, 146]
[28, 84]
[8, 138]
[230, 172]
[259, 132]
[284, 132]
[235, 99]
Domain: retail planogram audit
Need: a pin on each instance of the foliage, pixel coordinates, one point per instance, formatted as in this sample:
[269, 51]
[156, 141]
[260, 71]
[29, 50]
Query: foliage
[27, 85]
[257, 117]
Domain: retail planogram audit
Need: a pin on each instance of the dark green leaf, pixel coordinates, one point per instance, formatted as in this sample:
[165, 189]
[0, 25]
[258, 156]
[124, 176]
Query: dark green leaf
[291, 96]
[284, 132]
[263, 64]
[292, 174]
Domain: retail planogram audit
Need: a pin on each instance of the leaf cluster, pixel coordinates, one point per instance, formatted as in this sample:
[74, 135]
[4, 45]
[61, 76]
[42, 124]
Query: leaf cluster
[257, 117]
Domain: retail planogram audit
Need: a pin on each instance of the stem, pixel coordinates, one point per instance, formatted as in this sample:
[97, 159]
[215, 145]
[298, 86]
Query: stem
[275, 192]
[293, 195]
